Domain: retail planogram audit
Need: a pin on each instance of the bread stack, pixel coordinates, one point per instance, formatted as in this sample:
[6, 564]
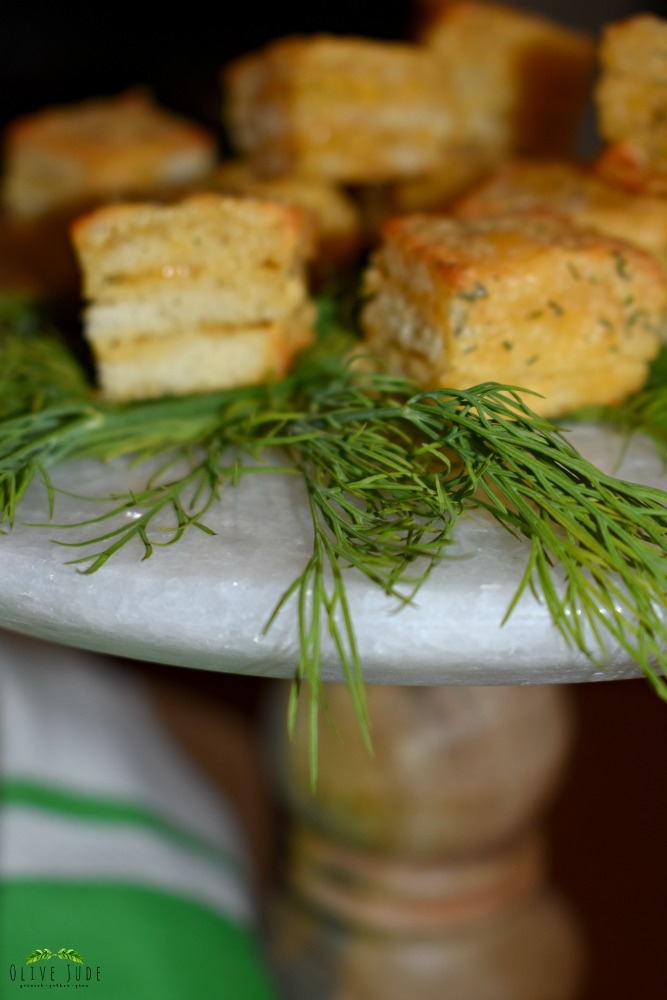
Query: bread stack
[206, 294]
[542, 274]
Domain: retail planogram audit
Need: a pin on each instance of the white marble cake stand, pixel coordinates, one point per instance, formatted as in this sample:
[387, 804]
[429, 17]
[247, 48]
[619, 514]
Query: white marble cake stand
[420, 872]
[203, 602]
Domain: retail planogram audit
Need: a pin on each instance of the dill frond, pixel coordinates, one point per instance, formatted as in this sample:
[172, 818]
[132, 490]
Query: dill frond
[388, 472]
[37, 369]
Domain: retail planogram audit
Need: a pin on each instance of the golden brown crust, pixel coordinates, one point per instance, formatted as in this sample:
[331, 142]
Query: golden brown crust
[521, 80]
[526, 300]
[98, 150]
[577, 194]
[347, 109]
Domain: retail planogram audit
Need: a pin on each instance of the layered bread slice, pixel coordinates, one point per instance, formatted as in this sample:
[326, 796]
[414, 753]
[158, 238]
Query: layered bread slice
[203, 294]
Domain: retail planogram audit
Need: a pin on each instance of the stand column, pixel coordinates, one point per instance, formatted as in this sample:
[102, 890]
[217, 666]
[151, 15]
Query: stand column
[420, 872]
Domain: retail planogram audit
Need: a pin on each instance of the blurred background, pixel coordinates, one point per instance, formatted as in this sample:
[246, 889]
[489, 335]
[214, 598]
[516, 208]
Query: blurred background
[59, 52]
[611, 819]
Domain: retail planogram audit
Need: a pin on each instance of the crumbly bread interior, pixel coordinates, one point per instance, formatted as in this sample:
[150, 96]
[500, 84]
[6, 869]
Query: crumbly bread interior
[204, 294]
[527, 300]
[202, 359]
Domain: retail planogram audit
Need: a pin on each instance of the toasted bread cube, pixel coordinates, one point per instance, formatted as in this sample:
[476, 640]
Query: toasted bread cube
[231, 260]
[577, 194]
[63, 161]
[521, 80]
[176, 291]
[631, 103]
[530, 301]
[631, 93]
[99, 150]
[345, 109]
[332, 214]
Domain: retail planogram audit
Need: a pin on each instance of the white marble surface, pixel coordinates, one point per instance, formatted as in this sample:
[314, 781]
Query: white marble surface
[204, 601]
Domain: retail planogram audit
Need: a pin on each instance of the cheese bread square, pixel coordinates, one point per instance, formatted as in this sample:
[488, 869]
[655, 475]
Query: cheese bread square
[98, 150]
[530, 301]
[346, 109]
[521, 80]
[577, 194]
[631, 103]
[176, 291]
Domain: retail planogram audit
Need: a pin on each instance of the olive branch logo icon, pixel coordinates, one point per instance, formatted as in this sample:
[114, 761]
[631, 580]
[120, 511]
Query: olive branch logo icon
[44, 954]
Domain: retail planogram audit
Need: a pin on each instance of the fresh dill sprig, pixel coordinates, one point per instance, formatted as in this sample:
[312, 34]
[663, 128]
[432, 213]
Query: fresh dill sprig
[37, 369]
[388, 471]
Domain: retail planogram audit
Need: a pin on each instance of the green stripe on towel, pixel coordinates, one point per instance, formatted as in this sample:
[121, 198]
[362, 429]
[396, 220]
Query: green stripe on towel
[95, 809]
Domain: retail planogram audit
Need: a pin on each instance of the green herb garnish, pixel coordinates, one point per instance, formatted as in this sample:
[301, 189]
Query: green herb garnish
[388, 472]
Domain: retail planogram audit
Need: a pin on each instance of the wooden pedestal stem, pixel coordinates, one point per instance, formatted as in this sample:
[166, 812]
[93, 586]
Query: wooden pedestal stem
[421, 871]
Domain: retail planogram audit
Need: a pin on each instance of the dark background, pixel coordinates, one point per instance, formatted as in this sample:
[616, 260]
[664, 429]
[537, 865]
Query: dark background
[611, 821]
[607, 835]
[52, 52]
[47, 55]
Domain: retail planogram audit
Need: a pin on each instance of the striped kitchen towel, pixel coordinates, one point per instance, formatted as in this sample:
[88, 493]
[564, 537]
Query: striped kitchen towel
[122, 871]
